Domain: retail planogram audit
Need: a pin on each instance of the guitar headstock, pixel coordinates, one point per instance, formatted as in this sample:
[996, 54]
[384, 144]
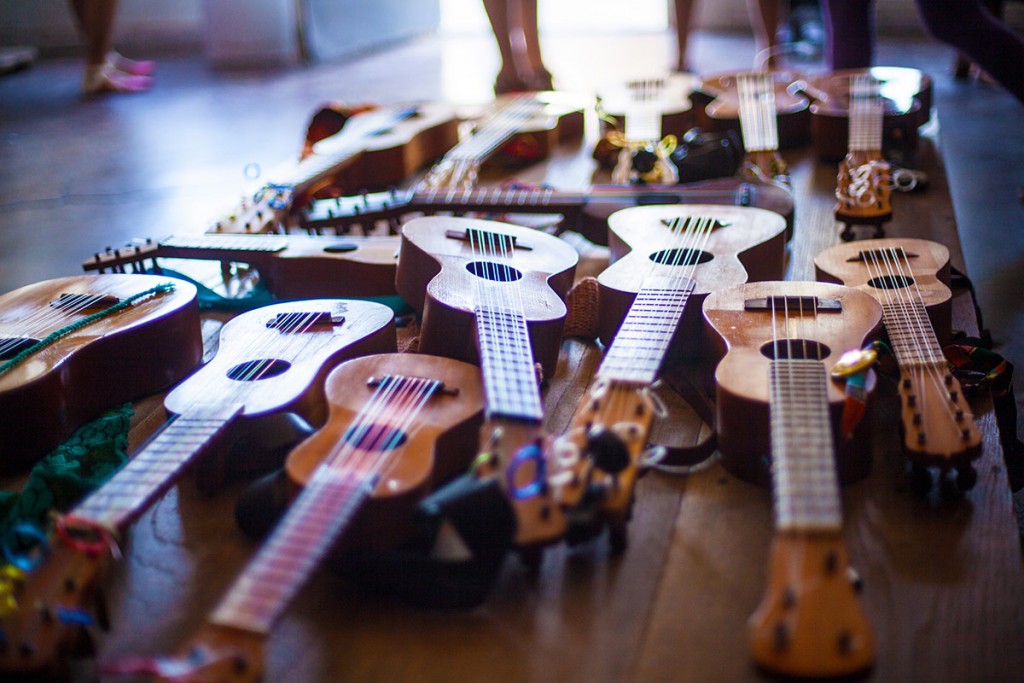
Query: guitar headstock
[766, 166]
[217, 654]
[938, 425]
[810, 624]
[130, 257]
[541, 486]
[864, 188]
[50, 604]
[264, 212]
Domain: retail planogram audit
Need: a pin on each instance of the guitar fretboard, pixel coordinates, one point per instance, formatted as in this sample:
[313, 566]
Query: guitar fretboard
[153, 470]
[643, 115]
[757, 112]
[911, 333]
[229, 242]
[498, 128]
[639, 347]
[506, 358]
[866, 113]
[803, 468]
[315, 520]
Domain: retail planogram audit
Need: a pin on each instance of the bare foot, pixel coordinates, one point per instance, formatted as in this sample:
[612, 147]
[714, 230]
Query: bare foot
[130, 66]
[100, 80]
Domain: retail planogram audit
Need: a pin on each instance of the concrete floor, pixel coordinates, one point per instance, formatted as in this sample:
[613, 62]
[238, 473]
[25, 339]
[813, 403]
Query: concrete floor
[78, 175]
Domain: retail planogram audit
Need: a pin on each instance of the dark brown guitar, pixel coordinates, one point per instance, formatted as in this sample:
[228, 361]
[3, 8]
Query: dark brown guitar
[909, 279]
[270, 359]
[290, 266]
[774, 379]
[398, 423]
[131, 348]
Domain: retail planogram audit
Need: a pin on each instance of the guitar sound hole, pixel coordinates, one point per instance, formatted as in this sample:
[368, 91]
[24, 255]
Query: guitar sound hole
[375, 437]
[12, 346]
[253, 370]
[795, 349]
[680, 257]
[891, 282]
[498, 272]
[341, 248]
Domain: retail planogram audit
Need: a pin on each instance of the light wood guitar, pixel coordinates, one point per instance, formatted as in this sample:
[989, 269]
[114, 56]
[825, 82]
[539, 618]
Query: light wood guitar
[663, 103]
[909, 279]
[444, 264]
[864, 184]
[270, 359]
[290, 266]
[101, 360]
[398, 423]
[780, 338]
[492, 293]
[376, 148]
[585, 211]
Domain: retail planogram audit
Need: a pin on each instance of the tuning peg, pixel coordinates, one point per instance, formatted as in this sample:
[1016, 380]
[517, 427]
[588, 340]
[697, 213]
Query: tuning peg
[607, 450]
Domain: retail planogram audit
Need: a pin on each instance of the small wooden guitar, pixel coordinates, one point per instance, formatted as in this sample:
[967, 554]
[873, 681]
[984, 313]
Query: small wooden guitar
[585, 211]
[864, 185]
[398, 423]
[270, 359]
[290, 266]
[492, 292]
[445, 263]
[906, 96]
[537, 122]
[375, 148]
[663, 103]
[772, 106]
[780, 336]
[677, 255]
[909, 279]
[114, 349]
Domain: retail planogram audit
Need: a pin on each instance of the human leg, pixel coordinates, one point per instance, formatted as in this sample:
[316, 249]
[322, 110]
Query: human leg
[498, 12]
[683, 14]
[990, 43]
[534, 72]
[850, 33]
[95, 19]
[764, 19]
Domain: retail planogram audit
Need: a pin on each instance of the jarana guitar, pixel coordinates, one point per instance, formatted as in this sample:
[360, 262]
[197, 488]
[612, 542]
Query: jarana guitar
[141, 346]
[909, 279]
[397, 424]
[780, 341]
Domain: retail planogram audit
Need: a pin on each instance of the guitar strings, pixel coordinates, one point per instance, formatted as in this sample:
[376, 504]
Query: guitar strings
[909, 312]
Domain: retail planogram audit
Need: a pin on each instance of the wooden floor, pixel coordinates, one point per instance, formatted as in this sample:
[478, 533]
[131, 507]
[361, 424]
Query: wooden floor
[943, 580]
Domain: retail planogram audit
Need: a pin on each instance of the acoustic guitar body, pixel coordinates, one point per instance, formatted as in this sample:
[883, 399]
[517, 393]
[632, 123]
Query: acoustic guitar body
[414, 454]
[665, 100]
[744, 339]
[717, 103]
[533, 270]
[907, 96]
[131, 353]
[732, 246]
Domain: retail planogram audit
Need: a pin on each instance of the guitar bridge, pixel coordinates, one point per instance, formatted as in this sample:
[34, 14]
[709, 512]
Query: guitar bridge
[494, 241]
[880, 255]
[79, 303]
[794, 304]
[302, 321]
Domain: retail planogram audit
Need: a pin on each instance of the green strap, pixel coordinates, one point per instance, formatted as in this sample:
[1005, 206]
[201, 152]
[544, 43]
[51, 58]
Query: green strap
[87, 459]
[56, 335]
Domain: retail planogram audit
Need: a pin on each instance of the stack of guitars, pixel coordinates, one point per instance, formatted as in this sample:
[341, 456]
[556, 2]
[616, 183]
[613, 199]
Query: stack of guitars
[634, 430]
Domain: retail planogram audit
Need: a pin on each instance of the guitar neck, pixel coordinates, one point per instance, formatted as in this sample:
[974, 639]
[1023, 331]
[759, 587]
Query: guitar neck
[639, 347]
[495, 130]
[150, 473]
[506, 358]
[803, 470]
[866, 113]
[315, 520]
[911, 333]
[758, 122]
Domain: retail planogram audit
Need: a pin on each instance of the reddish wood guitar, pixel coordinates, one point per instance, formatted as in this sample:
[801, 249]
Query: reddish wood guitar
[133, 352]
[398, 423]
[270, 359]
[909, 277]
[774, 378]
